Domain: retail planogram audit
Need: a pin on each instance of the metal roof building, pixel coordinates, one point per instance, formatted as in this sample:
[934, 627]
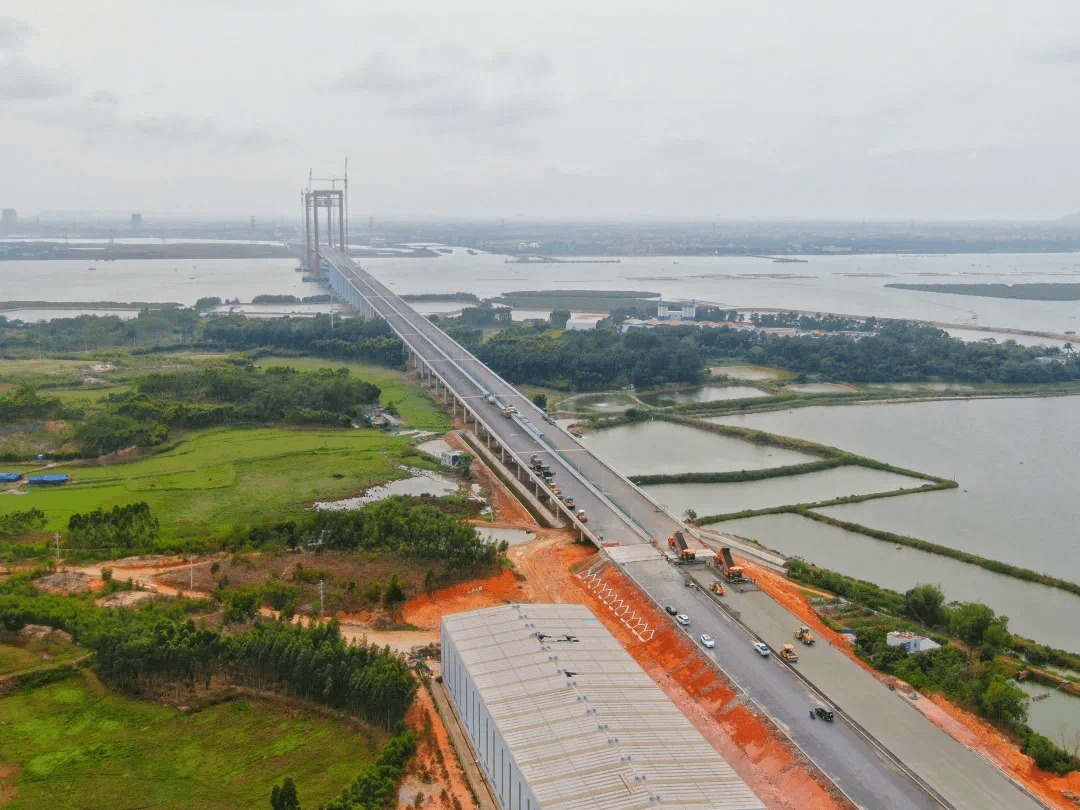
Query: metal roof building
[562, 718]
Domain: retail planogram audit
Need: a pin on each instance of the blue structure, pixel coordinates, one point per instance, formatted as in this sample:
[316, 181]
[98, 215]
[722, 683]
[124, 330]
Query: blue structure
[7, 478]
[48, 479]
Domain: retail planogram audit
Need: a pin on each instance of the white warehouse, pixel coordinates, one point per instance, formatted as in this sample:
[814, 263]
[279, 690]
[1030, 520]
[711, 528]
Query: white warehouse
[562, 718]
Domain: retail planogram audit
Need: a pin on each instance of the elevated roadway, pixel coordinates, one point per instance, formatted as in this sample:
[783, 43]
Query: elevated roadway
[881, 753]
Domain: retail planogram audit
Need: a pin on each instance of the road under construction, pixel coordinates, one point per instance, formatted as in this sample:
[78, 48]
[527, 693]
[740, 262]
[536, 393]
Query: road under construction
[881, 753]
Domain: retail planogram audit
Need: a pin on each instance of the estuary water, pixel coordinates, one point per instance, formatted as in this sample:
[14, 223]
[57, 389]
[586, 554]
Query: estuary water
[852, 285]
[1015, 461]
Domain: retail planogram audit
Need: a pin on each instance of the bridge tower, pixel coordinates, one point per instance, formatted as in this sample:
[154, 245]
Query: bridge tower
[335, 202]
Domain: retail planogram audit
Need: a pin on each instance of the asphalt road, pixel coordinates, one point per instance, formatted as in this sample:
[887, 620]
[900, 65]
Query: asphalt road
[857, 768]
[619, 511]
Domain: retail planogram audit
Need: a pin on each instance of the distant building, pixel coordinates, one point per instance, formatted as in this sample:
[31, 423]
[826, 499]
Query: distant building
[9, 220]
[580, 322]
[662, 310]
[911, 642]
[689, 310]
[136, 222]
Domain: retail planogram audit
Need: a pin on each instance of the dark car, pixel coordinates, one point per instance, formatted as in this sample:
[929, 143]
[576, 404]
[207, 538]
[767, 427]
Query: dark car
[670, 609]
[821, 713]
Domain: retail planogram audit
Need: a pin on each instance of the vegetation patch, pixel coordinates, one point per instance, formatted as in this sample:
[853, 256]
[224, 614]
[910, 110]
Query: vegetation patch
[273, 472]
[82, 748]
[972, 666]
[1053, 291]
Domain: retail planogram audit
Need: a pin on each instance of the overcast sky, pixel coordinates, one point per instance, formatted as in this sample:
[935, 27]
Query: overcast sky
[865, 110]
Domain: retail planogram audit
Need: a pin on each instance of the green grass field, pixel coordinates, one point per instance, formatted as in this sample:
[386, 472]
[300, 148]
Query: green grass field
[79, 745]
[35, 655]
[220, 477]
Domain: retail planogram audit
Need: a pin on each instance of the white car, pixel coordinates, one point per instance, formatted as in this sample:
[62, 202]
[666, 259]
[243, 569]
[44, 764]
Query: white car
[707, 641]
[763, 649]
[682, 619]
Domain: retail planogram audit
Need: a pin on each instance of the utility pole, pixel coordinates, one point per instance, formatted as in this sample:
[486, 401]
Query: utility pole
[320, 598]
[56, 538]
[191, 572]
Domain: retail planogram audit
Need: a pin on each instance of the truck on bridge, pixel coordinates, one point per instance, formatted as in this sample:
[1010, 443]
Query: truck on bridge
[733, 573]
[678, 542]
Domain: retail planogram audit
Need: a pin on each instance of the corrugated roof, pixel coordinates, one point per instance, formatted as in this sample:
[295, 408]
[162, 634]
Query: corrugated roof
[587, 727]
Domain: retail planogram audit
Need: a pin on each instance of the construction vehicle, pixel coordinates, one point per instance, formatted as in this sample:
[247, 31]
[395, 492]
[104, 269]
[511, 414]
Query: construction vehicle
[787, 652]
[733, 573]
[582, 516]
[804, 635]
[506, 413]
[534, 460]
[717, 588]
[678, 543]
[569, 501]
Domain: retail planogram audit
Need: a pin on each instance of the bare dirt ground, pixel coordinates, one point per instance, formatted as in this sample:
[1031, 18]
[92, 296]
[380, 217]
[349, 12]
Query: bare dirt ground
[434, 773]
[962, 725]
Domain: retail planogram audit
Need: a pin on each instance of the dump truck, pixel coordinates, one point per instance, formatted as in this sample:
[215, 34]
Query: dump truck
[678, 543]
[569, 501]
[733, 573]
[717, 588]
[582, 516]
[787, 652]
[804, 635]
[506, 413]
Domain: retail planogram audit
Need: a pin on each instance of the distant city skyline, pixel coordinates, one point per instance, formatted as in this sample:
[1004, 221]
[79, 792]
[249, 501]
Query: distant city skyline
[773, 111]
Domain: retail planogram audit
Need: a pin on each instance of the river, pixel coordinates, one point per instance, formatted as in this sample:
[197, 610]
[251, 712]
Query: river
[853, 285]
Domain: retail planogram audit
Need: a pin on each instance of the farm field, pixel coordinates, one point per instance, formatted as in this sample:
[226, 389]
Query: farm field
[75, 743]
[219, 477]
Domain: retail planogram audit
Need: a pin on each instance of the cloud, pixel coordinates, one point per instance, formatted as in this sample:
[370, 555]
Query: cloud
[458, 91]
[24, 82]
[1067, 53]
[13, 33]
[185, 130]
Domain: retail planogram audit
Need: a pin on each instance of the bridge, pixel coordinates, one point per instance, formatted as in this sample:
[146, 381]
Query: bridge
[882, 755]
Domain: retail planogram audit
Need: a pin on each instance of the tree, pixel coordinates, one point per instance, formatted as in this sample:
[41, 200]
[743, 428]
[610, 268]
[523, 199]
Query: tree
[540, 401]
[285, 796]
[926, 604]
[1003, 701]
[689, 515]
[970, 621]
[395, 594]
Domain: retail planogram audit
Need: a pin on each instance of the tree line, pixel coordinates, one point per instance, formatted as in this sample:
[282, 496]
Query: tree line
[402, 525]
[125, 527]
[162, 401]
[898, 352]
[155, 649]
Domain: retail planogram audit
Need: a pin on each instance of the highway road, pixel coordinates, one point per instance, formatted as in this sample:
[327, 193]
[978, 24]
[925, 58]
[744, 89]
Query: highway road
[619, 512]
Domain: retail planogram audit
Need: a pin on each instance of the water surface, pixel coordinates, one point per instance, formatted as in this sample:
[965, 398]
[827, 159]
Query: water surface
[703, 393]
[1015, 461]
[664, 447]
[721, 499]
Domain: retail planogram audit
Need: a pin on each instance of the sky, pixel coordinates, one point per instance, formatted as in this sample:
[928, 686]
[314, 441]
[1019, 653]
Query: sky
[962, 109]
